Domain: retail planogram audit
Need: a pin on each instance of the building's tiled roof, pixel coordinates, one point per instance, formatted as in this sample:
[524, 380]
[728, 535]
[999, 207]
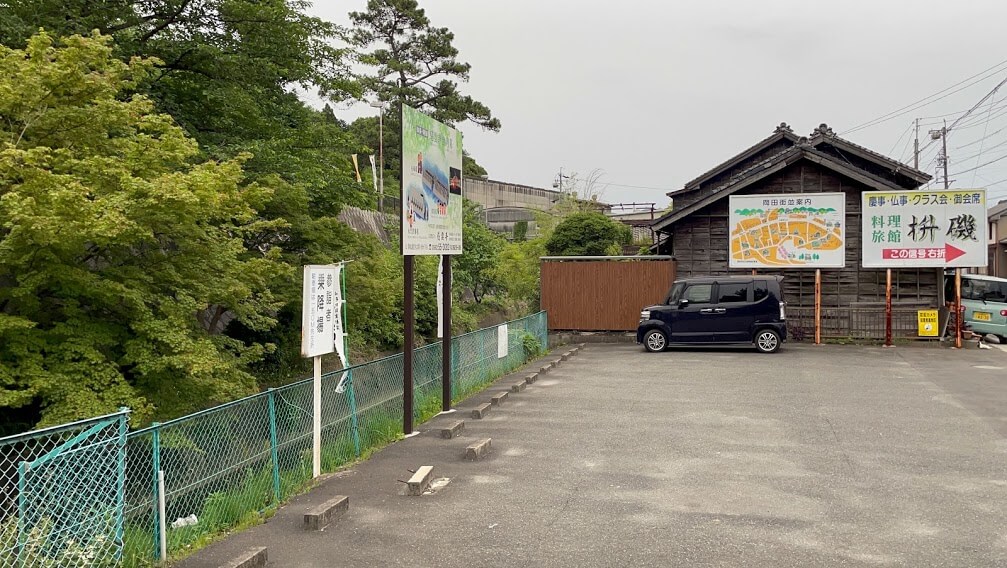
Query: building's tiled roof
[824, 134]
[782, 132]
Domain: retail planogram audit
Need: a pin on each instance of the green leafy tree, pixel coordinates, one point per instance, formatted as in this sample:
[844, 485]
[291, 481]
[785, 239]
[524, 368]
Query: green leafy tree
[413, 62]
[520, 231]
[120, 260]
[588, 234]
[517, 271]
[474, 269]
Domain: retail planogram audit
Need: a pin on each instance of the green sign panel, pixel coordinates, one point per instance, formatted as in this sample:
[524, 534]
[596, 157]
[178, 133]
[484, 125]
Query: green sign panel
[431, 186]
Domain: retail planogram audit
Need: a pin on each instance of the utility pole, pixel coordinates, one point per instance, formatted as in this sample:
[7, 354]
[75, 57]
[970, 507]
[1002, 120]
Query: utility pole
[944, 141]
[916, 146]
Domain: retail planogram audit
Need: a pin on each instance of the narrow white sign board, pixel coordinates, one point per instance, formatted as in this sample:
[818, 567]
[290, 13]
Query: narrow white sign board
[320, 310]
[503, 347]
[320, 323]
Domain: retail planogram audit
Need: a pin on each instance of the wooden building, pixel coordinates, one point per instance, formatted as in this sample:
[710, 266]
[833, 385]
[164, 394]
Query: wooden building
[695, 232]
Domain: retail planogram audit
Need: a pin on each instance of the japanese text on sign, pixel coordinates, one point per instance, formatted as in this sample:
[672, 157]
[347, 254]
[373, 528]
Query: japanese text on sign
[919, 229]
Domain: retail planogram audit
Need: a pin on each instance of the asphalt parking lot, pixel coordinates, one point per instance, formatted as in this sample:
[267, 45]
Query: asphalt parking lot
[814, 456]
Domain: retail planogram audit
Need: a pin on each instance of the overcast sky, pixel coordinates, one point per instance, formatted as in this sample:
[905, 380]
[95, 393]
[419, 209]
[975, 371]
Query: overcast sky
[654, 93]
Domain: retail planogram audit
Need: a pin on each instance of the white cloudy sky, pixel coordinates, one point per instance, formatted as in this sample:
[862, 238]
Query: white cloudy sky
[653, 92]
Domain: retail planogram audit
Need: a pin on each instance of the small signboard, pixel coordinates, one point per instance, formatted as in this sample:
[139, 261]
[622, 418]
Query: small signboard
[927, 322]
[503, 344]
[320, 310]
[924, 229]
[788, 231]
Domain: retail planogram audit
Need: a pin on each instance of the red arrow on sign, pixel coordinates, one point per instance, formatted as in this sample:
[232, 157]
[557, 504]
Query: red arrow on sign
[947, 254]
[951, 253]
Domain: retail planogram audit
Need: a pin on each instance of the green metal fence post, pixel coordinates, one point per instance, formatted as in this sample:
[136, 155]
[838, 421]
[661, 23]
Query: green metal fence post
[354, 424]
[22, 468]
[455, 367]
[155, 460]
[120, 489]
[273, 448]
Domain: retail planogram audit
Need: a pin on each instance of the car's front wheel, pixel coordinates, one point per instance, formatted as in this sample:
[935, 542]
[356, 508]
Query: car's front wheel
[655, 341]
[767, 341]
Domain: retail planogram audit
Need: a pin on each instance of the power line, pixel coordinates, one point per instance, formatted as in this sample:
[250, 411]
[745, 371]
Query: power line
[926, 100]
[606, 184]
[904, 132]
[974, 142]
[985, 130]
[980, 166]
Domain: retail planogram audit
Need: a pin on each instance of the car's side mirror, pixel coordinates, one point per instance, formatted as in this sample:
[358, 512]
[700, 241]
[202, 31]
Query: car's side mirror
[683, 303]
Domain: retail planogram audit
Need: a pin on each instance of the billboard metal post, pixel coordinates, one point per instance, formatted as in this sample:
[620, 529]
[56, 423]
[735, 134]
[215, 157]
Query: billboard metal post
[888, 307]
[446, 337]
[407, 348]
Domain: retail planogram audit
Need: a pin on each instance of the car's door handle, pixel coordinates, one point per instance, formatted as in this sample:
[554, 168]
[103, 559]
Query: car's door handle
[706, 311]
[720, 311]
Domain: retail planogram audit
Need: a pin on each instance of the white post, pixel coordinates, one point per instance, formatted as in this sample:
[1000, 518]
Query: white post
[162, 536]
[316, 428]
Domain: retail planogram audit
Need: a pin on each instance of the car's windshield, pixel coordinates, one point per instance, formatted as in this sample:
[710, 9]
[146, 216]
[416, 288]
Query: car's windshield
[985, 290]
[675, 293]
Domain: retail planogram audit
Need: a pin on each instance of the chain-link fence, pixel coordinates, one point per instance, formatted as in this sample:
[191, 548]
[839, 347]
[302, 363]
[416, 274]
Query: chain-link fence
[224, 466]
[61, 499]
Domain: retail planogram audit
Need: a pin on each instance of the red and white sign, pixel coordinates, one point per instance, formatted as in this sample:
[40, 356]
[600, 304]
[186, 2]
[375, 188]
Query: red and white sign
[921, 229]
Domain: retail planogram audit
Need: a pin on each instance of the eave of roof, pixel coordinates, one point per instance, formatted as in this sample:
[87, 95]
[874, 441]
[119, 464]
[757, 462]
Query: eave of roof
[769, 166]
[896, 166]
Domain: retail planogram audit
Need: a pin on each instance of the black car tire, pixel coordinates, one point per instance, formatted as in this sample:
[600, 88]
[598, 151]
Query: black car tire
[655, 341]
[767, 341]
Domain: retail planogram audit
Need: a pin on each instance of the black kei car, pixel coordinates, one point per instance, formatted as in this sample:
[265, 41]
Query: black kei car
[717, 310]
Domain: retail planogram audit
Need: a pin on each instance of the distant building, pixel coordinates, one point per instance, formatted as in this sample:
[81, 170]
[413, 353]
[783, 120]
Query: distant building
[506, 204]
[998, 240]
[696, 231]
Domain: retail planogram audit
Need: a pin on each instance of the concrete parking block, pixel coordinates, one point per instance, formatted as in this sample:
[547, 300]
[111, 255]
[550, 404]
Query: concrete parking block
[420, 481]
[452, 430]
[478, 449]
[256, 557]
[498, 399]
[531, 378]
[482, 410]
[518, 387]
[328, 512]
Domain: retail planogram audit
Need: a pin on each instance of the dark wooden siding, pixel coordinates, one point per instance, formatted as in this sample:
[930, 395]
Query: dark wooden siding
[602, 295]
[700, 244]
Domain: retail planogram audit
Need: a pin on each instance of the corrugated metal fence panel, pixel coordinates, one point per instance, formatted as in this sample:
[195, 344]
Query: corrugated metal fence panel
[602, 295]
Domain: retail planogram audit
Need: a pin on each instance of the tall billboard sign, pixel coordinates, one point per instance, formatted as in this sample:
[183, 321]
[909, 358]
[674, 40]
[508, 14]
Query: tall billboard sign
[788, 231]
[924, 229]
[431, 186]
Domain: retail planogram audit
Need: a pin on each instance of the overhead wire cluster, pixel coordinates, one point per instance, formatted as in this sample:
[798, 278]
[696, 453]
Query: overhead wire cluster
[975, 150]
